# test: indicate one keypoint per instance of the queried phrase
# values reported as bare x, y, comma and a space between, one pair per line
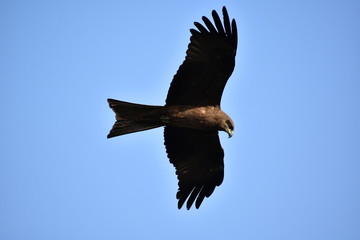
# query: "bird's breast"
202, 118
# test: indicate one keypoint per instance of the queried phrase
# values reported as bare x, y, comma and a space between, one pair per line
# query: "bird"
191, 116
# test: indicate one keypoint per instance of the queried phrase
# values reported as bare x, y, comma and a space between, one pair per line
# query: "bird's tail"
131, 117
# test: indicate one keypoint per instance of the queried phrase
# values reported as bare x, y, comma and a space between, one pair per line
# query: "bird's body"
192, 115
206, 118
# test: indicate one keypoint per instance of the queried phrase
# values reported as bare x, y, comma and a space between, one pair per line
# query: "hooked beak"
229, 132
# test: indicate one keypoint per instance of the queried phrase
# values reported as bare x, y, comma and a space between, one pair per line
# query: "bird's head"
228, 126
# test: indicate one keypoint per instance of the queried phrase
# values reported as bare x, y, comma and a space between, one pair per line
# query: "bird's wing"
198, 158
209, 62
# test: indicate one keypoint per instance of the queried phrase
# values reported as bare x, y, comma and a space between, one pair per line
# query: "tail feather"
133, 117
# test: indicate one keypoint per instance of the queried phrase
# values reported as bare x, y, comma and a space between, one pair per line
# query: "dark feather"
205, 192
201, 28
209, 62
209, 25
132, 117
218, 23
193, 196
198, 158
226, 21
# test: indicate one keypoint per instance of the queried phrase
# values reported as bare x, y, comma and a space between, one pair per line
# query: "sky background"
292, 168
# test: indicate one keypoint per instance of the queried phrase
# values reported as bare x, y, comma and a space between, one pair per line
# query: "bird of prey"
192, 115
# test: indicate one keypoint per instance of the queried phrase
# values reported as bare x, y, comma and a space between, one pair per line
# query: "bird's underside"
139, 117
192, 115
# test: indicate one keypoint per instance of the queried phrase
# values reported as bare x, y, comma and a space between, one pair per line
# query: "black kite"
192, 116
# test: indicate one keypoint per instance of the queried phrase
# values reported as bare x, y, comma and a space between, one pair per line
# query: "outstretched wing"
198, 158
209, 62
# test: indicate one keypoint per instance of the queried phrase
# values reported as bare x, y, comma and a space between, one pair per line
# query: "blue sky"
292, 168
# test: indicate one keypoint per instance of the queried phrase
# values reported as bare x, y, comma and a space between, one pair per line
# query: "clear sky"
292, 168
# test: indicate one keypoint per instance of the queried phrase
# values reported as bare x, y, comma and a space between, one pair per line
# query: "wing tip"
224, 9
196, 194
226, 27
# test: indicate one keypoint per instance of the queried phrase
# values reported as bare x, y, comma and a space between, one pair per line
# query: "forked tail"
131, 117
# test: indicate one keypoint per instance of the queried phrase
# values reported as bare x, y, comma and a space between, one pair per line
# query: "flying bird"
192, 115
